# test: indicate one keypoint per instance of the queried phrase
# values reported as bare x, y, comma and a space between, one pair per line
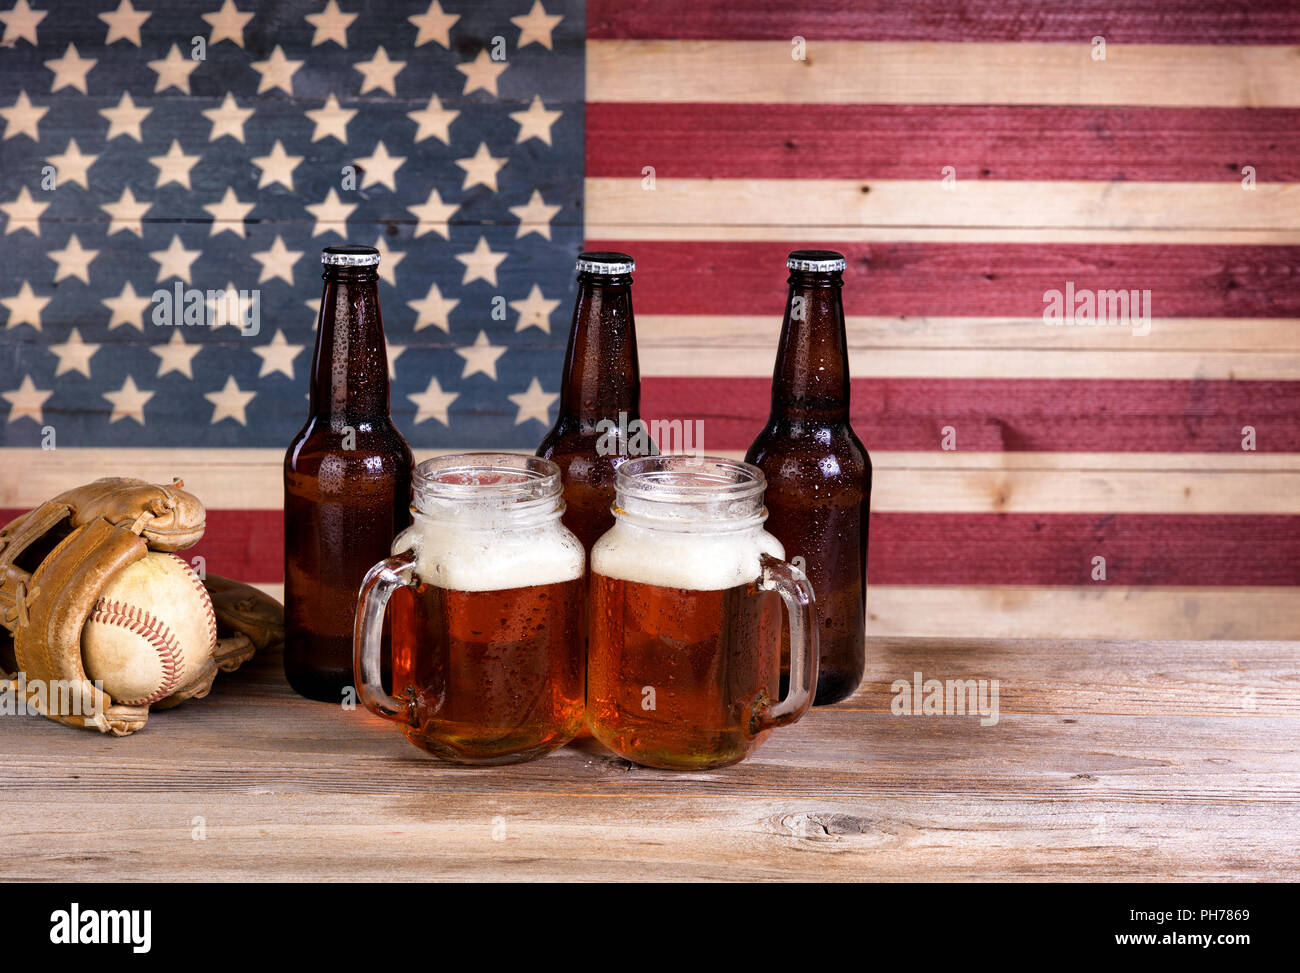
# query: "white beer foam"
473, 559
672, 559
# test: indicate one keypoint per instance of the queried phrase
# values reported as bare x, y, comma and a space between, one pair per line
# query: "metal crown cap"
816, 261
605, 262
349, 255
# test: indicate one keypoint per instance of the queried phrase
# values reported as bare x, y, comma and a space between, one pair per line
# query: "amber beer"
818, 472
347, 478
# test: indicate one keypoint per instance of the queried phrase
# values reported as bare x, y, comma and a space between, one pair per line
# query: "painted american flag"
967, 157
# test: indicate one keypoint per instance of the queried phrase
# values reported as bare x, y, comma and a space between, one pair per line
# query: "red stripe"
1042, 415
726, 141
1166, 22
969, 279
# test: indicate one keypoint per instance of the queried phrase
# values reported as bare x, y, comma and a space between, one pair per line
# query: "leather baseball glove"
57, 559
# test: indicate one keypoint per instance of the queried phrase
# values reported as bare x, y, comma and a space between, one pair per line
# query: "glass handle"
367, 636
793, 587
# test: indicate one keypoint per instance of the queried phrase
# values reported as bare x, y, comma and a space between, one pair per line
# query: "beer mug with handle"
487, 637
684, 663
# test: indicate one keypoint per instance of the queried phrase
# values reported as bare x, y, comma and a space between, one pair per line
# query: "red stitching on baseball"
203, 596
142, 623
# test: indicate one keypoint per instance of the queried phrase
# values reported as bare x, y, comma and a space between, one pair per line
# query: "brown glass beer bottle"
818, 472
347, 478
599, 421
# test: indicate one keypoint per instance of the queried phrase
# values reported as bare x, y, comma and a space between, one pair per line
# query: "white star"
277, 356
434, 25
380, 72
229, 214
125, 119
230, 402
127, 308
22, 117
432, 403
481, 263
536, 27
535, 217
533, 403
331, 25
25, 307
74, 355
482, 73
481, 168
72, 165
175, 261
24, 213
331, 215
173, 71
176, 355
223, 306
433, 309
380, 168
27, 400
277, 167
73, 261
70, 70
394, 353
536, 122
433, 214
228, 119
126, 213
227, 24
481, 356
388, 261
277, 262
433, 121
534, 310
175, 166
331, 121
128, 402
277, 71
20, 24
124, 23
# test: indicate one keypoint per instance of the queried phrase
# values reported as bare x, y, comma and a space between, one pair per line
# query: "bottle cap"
349, 255
816, 261
605, 262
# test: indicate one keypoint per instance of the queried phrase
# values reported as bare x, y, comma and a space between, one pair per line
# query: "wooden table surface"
1110, 760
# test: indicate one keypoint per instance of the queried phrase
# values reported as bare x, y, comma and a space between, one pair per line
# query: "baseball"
151, 631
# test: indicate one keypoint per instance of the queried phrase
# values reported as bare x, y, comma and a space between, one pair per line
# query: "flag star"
176, 355
534, 310
73, 261
277, 167
22, 117
481, 356
536, 27
535, 217
72, 165
433, 214
228, 119
124, 23
174, 167
173, 71
380, 168
126, 213
27, 400
227, 24
229, 214
331, 121
25, 307
74, 355
127, 308
536, 122
482, 72
24, 213
481, 168
277, 71
432, 309
432, 403
222, 307
434, 25
277, 356
20, 24
175, 261
128, 402
277, 262
380, 72
331, 25
230, 402
388, 261
394, 353
433, 121
331, 215
533, 403
481, 263
70, 70
125, 119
